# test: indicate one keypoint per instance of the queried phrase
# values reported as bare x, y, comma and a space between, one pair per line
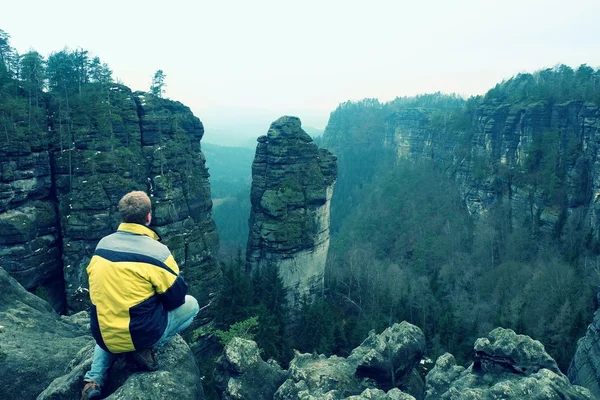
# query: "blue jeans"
178, 319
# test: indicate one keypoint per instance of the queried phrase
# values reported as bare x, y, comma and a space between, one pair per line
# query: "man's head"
135, 207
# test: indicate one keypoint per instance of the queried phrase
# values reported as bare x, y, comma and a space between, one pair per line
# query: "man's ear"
148, 218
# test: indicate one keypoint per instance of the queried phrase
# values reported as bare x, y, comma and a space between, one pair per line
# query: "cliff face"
30, 247
538, 159
514, 153
292, 185
585, 366
59, 192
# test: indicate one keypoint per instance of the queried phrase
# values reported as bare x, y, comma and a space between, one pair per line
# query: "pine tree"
158, 83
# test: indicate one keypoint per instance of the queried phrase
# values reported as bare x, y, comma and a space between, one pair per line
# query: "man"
139, 300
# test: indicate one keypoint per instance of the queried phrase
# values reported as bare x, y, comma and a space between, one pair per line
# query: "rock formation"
467, 143
30, 247
35, 343
242, 374
506, 366
59, 192
178, 377
585, 366
37, 347
292, 185
381, 363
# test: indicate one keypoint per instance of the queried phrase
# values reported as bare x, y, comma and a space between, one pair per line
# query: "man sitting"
139, 300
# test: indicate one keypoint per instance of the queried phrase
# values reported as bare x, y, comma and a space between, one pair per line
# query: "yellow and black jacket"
134, 281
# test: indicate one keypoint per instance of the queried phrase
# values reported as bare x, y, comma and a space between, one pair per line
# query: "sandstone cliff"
585, 366
517, 153
59, 191
292, 185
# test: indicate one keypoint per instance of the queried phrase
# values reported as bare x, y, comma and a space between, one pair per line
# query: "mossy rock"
16, 227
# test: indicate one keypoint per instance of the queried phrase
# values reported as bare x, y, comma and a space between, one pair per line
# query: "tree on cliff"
33, 75
158, 83
8, 57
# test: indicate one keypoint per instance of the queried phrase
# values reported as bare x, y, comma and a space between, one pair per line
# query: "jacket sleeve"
169, 285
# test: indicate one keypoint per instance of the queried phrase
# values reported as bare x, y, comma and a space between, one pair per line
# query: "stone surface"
390, 357
376, 394
506, 366
29, 230
35, 343
585, 366
178, 377
242, 374
45, 356
292, 185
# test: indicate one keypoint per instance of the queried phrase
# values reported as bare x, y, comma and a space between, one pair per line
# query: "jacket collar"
138, 230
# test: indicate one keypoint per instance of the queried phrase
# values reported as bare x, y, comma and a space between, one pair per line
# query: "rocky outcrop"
292, 185
242, 374
585, 366
383, 362
59, 192
45, 356
35, 343
178, 377
507, 366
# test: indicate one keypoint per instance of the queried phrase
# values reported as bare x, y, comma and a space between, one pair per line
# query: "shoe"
146, 360
91, 391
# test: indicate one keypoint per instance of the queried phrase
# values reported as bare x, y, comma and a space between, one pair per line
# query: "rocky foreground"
44, 356
505, 366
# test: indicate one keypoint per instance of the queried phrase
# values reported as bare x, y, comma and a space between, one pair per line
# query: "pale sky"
305, 57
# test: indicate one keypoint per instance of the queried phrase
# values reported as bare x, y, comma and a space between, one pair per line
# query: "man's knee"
192, 305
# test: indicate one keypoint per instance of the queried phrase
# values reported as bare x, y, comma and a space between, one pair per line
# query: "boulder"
316, 376
506, 366
178, 377
35, 343
376, 394
242, 374
389, 358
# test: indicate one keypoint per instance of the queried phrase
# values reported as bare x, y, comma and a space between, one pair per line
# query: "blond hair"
134, 207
